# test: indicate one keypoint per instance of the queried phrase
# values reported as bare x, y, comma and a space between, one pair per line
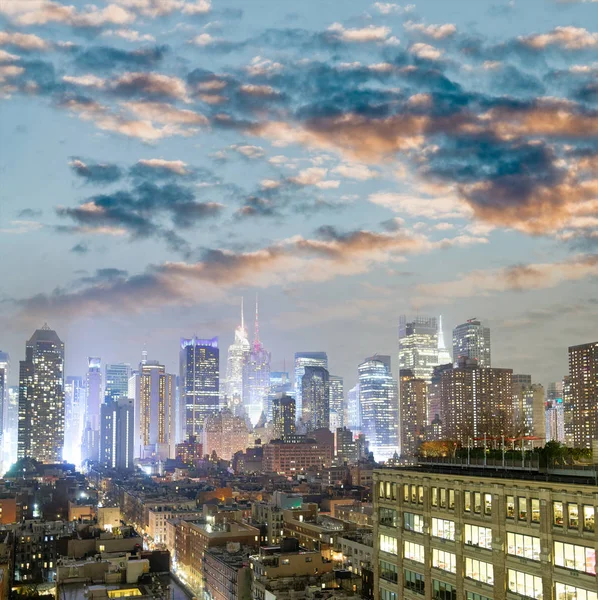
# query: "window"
522, 509
487, 504
447, 561
442, 498
510, 507
414, 582
557, 514
406, 492
102, 548
388, 572
573, 514
588, 518
467, 501
389, 544
420, 494
525, 584
412, 522
479, 570
444, 529
388, 517
526, 546
413, 551
381, 490
388, 490
578, 558
451, 499
434, 496
535, 502
478, 536
286, 561
387, 594
477, 503
563, 591
475, 596
394, 491
413, 494
443, 591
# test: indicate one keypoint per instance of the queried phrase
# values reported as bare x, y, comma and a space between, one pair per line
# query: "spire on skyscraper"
242, 315
444, 356
257, 322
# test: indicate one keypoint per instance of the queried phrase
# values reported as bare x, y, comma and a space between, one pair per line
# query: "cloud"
388, 8
372, 33
447, 207
569, 38
167, 114
131, 35
80, 248
24, 41
437, 32
160, 166
29, 213
518, 278
248, 151
94, 172
103, 58
8, 57
425, 51
356, 171
20, 227
88, 80
150, 85
160, 8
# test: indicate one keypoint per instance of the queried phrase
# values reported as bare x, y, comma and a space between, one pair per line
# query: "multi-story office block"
467, 534
412, 407
529, 408
117, 381
353, 409
302, 360
284, 417
418, 345
4, 369
224, 434
199, 383
583, 377
472, 340
315, 391
568, 411
337, 402
238, 356
41, 398
555, 414
117, 434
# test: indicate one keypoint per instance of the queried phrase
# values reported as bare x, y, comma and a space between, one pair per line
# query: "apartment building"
452, 533
227, 575
159, 516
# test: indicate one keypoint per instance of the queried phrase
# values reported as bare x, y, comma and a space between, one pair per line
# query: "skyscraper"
4, 432
199, 383
353, 410
412, 407
472, 340
379, 406
94, 395
315, 391
117, 434
583, 374
74, 409
238, 356
302, 360
41, 398
256, 376
568, 412
418, 346
224, 434
157, 427
283, 416
11, 426
337, 403
529, 408
555, 417
117, 381
280, 383
444, 356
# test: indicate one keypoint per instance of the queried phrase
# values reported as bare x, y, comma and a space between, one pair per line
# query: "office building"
337, 402
412, 407
227, 574
297, 457
302, 360
11, 426
555, 414
4, 370
379, 406
476, 402
95, 393
583, 376
444, 355
75, 394
199, 382
472, 534
224, 434
117, 381
117, 434
434, 411
418, 346
41, 398
284, 417
529, 408
280, 383
156, 395
472, 340
353, 409
315, 391
568, 411
238, 356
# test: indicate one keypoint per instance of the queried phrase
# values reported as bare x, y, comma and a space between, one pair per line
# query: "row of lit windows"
413, 522
526, 546
521, 507
524, 584
578, 558
443, 528
447, 561
572, 512
476, 506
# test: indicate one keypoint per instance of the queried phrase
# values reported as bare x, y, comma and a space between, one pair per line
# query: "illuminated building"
315, 391
93, 399
283, 416
444, 356
11, 426
4, 432
256, 376
337, 402
190, 451
199, 382
302, 360
224, 434
555, 417
476, 402
418, 346
156, 411
280, 383
413, 395
41, 398
472, 340
568, 411
529, 409
583, 376
238, 356
290, 458
379, 406
353, 409
75, 391
117, 434
117, 381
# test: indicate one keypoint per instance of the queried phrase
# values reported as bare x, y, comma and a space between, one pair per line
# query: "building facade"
418, 345
337, 402
238, 355
472, 340
117, 434
315, 392
224, 434
41, 398
583, 376
302, 360
117, 381
284, 417
412, 406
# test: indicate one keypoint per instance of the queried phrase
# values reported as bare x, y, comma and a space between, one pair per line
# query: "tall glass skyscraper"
302, 360
41, 398
418, 346
238, 356
116, 434
316, 398
74, 408
472, 340
199, 383
337, 403
4, 431
379, 406
117, 381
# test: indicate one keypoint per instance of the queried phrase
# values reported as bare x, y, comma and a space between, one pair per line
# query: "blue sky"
348, 161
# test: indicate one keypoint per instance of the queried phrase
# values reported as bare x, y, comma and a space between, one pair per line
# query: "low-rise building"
226, 572
291, 458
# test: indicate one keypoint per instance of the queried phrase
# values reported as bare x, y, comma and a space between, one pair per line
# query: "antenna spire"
242, 315
257, 323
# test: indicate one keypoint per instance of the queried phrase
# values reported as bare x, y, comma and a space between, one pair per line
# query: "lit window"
557, 514
406, 492
434, 496
487, 504
442, 528
535, 510
413, 522
388, 544
413, 551
447, 561
525, 584
522, 509
467, 501
573, 513
563, 591
510, 507
479, 571
451, 499
477, 502
588, 518
577, 558
478, 536
526, 546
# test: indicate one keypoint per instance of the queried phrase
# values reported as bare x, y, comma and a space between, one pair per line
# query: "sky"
348, 162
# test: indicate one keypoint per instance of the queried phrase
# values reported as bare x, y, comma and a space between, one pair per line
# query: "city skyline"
349, 162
